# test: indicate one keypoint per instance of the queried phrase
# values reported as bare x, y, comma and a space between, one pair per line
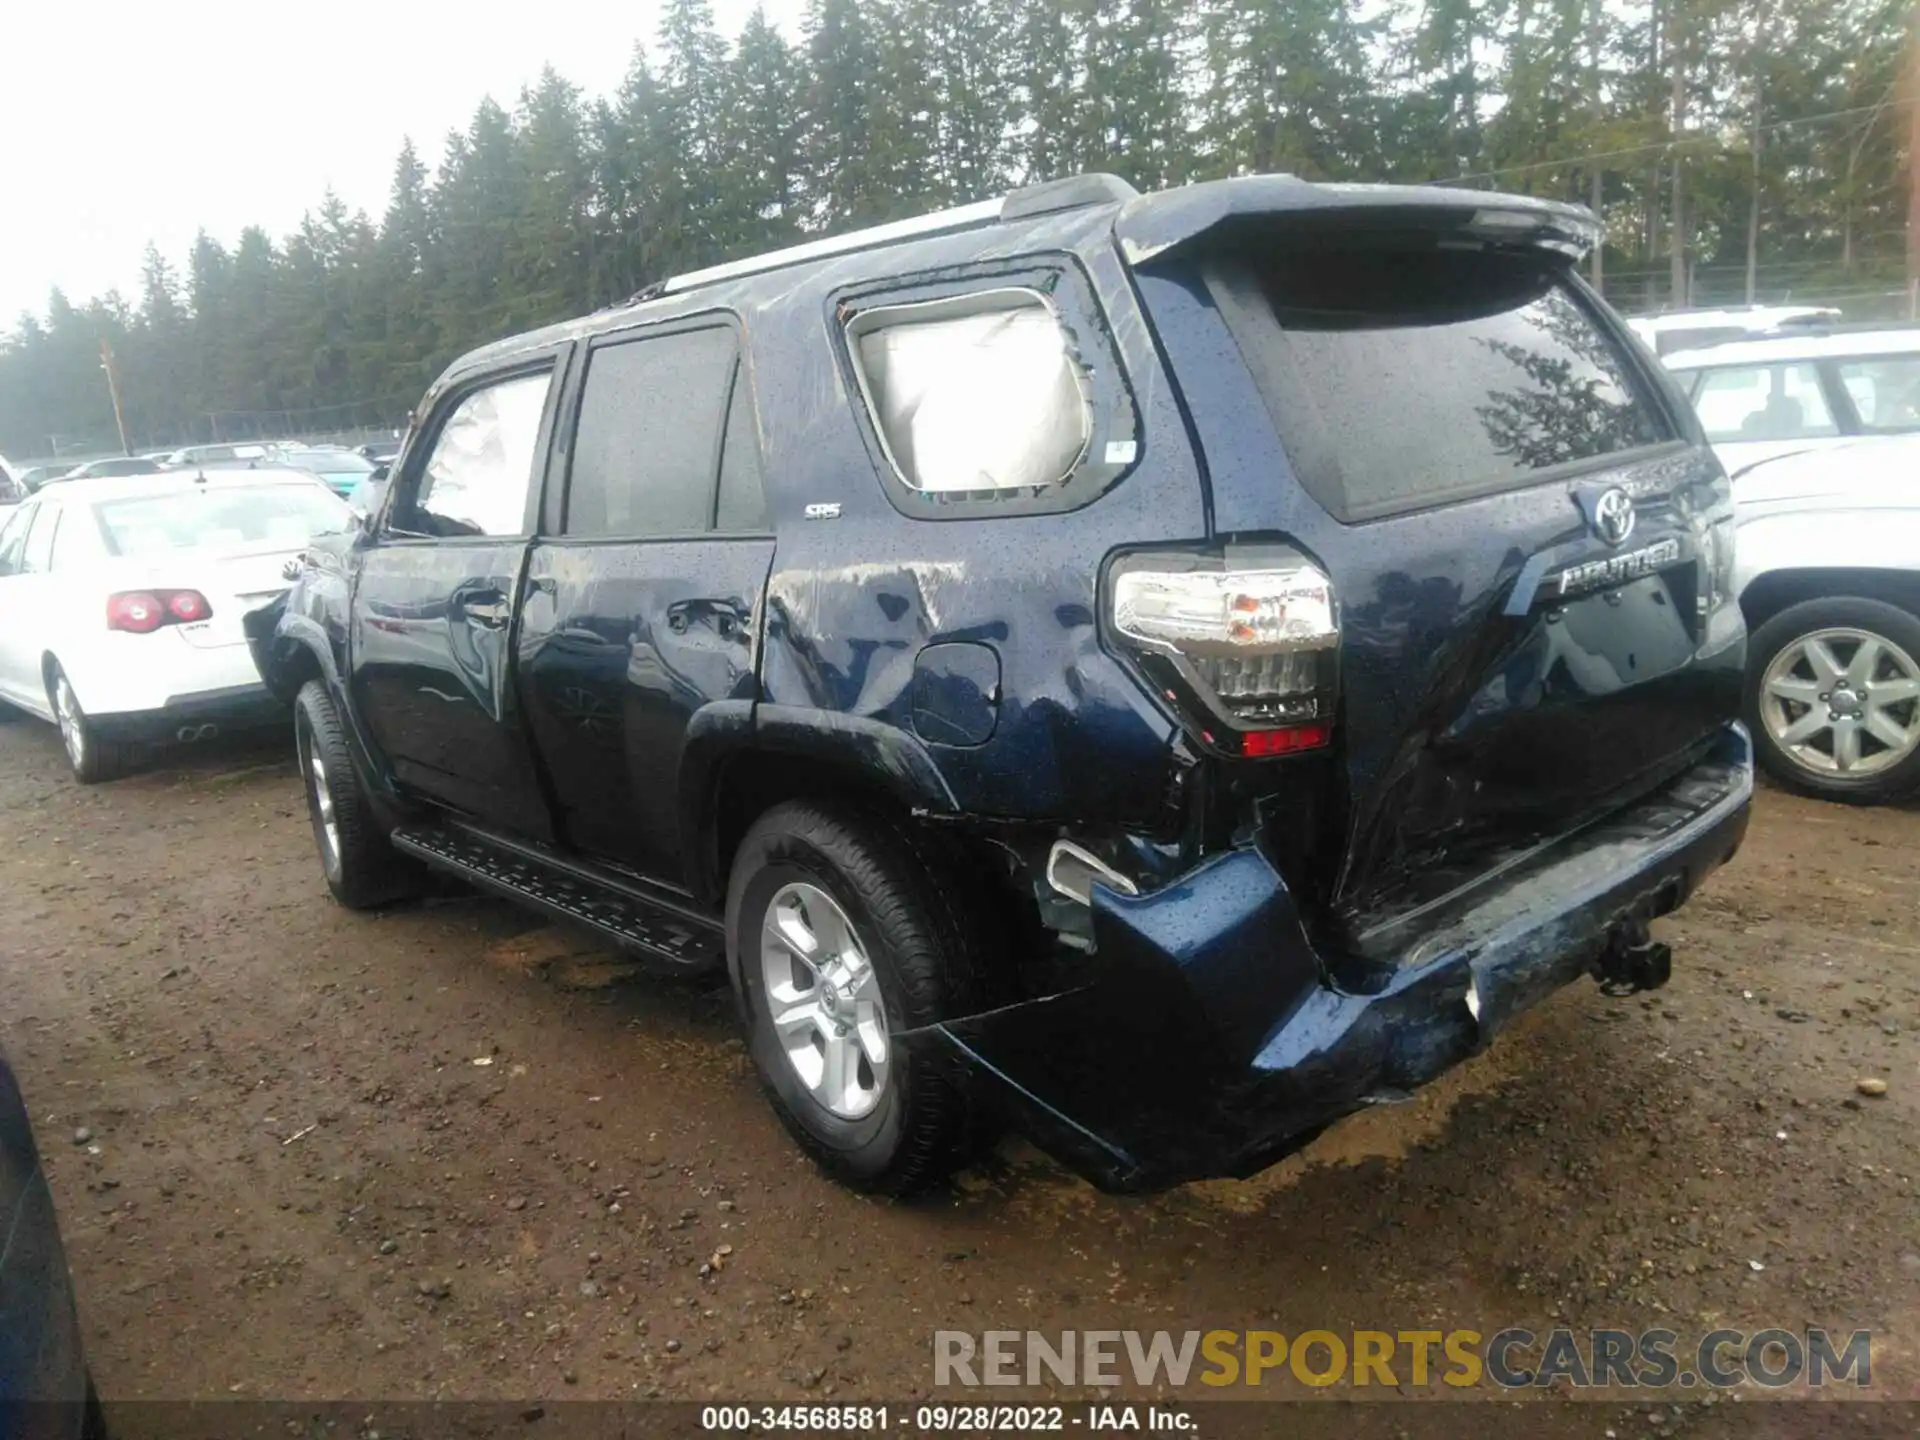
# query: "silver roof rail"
1066, 194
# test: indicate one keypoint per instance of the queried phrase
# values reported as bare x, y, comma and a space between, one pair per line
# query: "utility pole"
1677, 245
1913, 159
1753, 201
1600, 245
1677, 250
113, 388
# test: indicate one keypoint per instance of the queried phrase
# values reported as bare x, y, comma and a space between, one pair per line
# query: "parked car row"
340, 468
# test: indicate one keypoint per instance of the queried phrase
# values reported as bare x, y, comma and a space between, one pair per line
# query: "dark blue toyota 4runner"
1165, 671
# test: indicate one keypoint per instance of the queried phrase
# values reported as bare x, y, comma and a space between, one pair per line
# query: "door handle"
491, 614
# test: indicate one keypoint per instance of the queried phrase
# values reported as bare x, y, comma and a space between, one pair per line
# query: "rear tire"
1833, 679
362, 868
92, 758
861, 891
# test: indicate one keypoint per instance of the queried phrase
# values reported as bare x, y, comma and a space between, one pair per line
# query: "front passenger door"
433, 607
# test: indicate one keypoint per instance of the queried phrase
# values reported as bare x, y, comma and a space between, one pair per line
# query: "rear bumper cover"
1208, 1042
234, 707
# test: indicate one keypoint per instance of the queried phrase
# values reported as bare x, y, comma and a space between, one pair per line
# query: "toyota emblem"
1613, 516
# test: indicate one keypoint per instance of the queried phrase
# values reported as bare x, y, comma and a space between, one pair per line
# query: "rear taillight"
144, 611
1243, 643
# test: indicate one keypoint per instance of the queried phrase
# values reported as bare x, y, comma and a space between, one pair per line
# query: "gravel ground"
448, 1151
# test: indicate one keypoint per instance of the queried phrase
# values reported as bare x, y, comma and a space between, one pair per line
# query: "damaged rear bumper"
1207, 1040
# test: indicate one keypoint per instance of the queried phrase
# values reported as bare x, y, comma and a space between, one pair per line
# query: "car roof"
1811, 346
94, 489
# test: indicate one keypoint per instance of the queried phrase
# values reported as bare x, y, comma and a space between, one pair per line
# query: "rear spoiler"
1154, 226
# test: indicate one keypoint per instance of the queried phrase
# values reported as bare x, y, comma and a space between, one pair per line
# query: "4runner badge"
1613, 516
1617, 569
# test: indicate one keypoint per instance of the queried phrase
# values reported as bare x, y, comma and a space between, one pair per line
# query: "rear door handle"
491, 613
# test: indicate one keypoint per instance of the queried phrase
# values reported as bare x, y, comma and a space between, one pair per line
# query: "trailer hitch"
1633, 961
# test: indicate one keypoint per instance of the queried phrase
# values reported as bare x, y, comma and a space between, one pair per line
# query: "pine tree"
760, 141
842, 156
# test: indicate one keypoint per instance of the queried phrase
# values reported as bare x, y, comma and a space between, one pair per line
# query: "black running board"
656, 929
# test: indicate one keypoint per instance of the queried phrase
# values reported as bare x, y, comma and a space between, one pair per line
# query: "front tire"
362, 868
842, 932
92, 758
1833, 699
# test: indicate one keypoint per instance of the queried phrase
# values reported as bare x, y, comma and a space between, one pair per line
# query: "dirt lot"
447, 1151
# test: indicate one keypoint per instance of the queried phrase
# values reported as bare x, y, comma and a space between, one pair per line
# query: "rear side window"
975, 393
1763, 402
1886, 392
647, 452
1403, 378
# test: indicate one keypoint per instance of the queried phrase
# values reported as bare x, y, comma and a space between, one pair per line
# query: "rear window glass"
1405, 378
205, 518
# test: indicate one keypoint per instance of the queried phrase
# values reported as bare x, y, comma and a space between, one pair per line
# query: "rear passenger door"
642, 594
432, 609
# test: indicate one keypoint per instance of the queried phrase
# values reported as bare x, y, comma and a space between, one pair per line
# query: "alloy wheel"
1842, 703
322, 801
824, 1000
73, 734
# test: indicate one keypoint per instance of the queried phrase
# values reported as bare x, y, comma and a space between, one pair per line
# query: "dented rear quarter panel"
852, 601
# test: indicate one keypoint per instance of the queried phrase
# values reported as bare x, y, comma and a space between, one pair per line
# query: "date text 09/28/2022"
946, 1419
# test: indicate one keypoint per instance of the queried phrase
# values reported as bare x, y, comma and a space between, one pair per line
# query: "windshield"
1408, 377
202, 518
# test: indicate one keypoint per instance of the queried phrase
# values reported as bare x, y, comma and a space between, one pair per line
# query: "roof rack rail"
1069, 193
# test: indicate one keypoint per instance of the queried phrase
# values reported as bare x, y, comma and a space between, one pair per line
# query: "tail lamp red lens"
1259, 743
141, 612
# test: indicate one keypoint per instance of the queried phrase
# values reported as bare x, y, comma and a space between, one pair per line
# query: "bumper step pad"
627, 919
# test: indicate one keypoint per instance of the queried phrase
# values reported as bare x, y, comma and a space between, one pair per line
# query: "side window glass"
1764, 402
978, 392
743, 501
1886, 392
39, 552
13, 538
647, 450
477, 478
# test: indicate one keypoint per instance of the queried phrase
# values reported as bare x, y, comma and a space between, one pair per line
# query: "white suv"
1762, 398
1827, 568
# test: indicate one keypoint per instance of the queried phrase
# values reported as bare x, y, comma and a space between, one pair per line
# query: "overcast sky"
124, 122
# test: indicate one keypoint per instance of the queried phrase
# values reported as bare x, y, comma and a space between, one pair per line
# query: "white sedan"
121, 602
